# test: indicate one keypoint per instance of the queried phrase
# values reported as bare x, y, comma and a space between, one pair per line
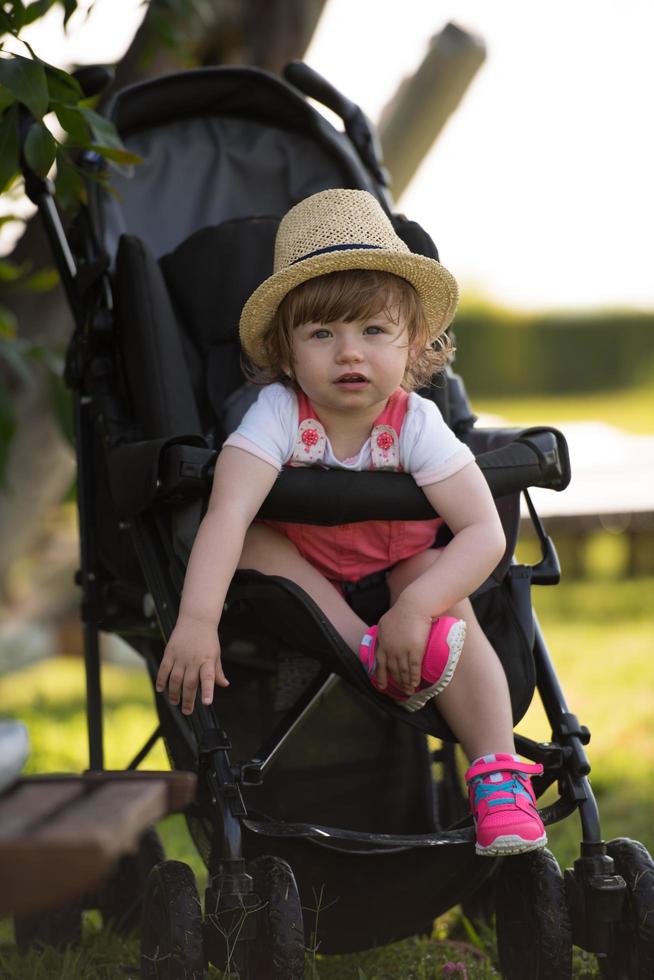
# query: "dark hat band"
334, 248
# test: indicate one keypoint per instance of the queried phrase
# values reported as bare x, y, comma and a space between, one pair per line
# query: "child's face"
355, 365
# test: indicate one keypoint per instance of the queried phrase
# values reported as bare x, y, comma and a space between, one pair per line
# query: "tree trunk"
266, 33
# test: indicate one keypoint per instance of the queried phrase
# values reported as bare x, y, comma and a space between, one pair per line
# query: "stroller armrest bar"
341, 497
182, 467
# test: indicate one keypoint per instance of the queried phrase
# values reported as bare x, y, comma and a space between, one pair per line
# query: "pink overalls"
348, 552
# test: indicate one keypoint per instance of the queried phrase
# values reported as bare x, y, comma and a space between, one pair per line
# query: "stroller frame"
595, 891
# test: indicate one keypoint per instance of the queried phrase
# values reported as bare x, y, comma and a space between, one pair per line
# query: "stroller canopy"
216, 144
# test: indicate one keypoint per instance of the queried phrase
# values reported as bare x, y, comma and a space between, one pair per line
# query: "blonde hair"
348, 295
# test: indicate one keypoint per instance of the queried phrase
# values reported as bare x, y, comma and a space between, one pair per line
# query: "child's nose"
348, 350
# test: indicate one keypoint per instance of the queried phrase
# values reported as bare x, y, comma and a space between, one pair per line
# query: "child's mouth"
352, 380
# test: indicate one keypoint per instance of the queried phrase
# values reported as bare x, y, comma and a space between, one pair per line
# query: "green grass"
631, 409
49, 698
600, 635
102, 956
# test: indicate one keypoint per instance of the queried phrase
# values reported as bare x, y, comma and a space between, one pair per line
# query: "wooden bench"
61, 835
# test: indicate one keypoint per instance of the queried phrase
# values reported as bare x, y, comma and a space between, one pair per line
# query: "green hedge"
503, 353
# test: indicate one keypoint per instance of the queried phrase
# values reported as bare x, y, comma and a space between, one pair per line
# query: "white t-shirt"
429, 450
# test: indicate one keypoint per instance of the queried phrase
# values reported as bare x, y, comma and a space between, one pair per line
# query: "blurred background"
520, 139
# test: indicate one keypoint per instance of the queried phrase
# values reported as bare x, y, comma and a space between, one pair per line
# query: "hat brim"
435, 286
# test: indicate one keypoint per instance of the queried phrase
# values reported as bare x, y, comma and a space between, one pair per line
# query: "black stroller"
318, 799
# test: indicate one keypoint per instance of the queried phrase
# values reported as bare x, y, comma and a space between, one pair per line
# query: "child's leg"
271, 553
477, 707
476, 703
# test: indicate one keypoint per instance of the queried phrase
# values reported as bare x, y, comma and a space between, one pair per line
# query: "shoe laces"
500, 791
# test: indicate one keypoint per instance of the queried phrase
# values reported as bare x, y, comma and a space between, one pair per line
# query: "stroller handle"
357, 127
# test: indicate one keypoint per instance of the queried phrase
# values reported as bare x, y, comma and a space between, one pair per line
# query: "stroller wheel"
120, 899
171, 936
58, 927
633, 953
279, 946
534, 933
479, 907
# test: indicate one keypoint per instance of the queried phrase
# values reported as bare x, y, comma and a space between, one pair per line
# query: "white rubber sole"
455, 640
511, 844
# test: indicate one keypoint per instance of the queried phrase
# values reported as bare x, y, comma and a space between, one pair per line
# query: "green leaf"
69, 185
18, 15
73, 121
472, 933
104, 132
6, 99
118, 156
25, 79
37, 9
40, 149
9, 147
106, 140
62, 86
7, 25
70, 6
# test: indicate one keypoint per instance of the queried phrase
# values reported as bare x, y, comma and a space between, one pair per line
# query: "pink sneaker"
442, 653
504, 806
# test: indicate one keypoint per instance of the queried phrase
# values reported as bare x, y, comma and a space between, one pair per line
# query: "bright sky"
538, 192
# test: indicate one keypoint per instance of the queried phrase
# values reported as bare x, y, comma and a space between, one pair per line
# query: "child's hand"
402, 637
192, 654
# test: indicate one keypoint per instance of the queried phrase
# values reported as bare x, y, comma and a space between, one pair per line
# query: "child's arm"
465, 503
240, 485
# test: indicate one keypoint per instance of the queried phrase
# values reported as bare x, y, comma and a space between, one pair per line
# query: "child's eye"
321, 333
373, 330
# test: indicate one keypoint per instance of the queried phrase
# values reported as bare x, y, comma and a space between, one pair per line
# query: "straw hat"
335, 230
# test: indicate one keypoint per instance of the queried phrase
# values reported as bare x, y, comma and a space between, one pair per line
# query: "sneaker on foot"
504, 805
442, 653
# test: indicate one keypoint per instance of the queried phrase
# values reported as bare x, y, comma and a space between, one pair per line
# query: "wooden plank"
36, 878
181, 785
114, 815
60, 835
71, 853
28, 803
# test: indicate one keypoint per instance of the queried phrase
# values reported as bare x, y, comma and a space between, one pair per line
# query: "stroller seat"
178, 331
